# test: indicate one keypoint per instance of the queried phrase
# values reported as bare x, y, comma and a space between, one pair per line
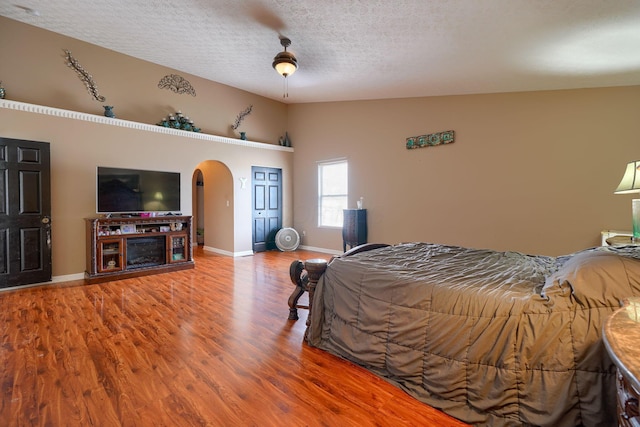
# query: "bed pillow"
595, 278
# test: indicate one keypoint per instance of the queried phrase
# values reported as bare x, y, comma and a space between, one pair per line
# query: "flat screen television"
136, 191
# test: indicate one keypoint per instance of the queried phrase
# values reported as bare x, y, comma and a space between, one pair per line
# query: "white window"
333, 189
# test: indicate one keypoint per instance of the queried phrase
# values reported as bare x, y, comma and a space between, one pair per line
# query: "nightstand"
621, 334
608, 234
621, 240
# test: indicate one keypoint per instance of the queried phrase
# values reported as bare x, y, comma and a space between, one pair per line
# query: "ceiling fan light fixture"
285, 63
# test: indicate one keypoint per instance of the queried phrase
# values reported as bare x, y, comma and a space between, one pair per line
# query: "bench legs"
305, 276
300, 278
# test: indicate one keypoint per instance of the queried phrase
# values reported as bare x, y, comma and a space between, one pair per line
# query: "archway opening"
212, 198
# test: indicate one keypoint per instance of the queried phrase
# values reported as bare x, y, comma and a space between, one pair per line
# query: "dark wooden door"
267, 207
25, 212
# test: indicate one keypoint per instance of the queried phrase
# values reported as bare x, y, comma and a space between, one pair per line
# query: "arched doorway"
198, 208
213, 206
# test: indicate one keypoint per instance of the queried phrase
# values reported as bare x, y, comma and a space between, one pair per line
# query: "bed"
491, 338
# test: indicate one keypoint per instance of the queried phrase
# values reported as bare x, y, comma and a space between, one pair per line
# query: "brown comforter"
491, 338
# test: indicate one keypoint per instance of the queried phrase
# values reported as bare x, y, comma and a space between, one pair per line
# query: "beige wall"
532, 172
33, 71
78, 147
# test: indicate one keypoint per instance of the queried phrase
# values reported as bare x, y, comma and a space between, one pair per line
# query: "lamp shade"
630, 182
285, 63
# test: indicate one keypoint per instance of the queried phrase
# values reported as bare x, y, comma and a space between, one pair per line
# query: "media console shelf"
119, 248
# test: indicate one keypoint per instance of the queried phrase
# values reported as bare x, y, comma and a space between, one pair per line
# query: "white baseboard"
67, 278
323, 250
226, 253
54, 279
248, 253
245, 253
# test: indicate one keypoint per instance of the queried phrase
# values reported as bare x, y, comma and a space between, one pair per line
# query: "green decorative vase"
108, 111
2, 92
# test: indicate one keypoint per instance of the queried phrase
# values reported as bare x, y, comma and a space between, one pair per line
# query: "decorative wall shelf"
75, 115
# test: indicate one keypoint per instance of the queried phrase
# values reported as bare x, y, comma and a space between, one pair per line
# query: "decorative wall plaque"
430, 139
176, 84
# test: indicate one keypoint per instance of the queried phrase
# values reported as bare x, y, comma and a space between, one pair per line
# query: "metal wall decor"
86, 78
177, 84
241, 117
430, 139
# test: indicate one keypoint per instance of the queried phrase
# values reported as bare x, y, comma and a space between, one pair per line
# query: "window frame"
322, 196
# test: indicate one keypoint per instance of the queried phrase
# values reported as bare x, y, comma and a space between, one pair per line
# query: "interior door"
267, 207
25, 212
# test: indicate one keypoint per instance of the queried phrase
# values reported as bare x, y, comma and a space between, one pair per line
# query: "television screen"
135, 191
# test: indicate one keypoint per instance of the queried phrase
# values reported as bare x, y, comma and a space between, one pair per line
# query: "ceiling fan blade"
265, 16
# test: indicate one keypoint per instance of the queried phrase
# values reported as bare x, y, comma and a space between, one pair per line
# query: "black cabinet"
354, 228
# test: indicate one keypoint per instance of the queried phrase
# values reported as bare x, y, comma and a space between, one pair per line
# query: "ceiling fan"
285, 62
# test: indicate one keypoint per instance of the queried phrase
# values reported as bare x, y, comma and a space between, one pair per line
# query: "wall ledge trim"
75, 115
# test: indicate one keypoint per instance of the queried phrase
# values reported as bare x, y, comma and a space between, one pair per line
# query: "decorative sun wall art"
86, 78
176, 84
430, 139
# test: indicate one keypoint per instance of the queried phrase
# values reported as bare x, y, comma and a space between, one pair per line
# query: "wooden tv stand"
123, 247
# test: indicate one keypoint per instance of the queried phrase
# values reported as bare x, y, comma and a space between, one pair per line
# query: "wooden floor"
204, 347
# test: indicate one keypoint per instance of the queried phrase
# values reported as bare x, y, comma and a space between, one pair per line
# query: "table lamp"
631, 184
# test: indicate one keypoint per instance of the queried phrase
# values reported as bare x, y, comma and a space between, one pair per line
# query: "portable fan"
287, 239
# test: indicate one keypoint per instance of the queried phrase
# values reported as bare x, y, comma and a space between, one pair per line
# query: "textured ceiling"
364, 49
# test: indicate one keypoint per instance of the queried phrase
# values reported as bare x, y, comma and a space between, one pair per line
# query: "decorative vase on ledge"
243, 136
2, 91
108, 111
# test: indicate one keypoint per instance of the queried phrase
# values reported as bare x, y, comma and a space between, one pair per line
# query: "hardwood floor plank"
61, 359
211, 346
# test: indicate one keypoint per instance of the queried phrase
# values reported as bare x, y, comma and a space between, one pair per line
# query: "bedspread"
491, 338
